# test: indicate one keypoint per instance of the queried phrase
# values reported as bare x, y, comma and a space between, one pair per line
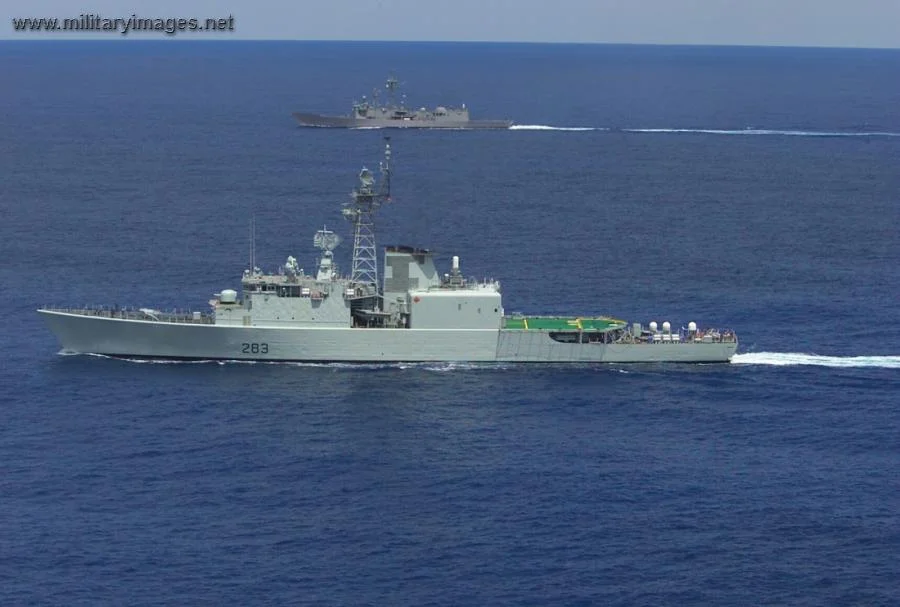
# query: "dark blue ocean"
745, 188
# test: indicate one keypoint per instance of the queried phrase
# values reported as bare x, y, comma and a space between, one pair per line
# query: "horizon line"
203, 39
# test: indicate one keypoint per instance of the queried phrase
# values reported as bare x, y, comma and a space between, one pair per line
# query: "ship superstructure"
409, 312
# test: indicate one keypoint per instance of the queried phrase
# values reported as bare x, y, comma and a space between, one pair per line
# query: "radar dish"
366, 178
326, 240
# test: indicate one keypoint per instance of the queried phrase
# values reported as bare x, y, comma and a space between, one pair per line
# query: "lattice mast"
365, 201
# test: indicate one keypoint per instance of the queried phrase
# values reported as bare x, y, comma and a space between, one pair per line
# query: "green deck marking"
562, 323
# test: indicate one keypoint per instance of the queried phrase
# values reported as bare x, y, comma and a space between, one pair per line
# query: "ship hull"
90, 334
346, 122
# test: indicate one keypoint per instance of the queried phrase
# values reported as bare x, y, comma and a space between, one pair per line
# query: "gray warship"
411, 313
369, 113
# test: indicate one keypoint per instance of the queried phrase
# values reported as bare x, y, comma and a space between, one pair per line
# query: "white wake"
784, 133
676, 131
545, 127
784, 359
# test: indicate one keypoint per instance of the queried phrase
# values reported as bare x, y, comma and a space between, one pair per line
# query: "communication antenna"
391, 86
366, 199
253, 243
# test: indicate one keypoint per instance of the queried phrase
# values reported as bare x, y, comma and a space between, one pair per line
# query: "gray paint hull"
346, 122
150, 339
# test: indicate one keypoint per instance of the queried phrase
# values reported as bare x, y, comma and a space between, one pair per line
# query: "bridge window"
289, 291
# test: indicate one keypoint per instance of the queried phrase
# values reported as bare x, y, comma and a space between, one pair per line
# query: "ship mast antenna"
391, 86
253, 243
365, 201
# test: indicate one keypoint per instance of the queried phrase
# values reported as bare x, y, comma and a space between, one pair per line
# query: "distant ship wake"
733, 132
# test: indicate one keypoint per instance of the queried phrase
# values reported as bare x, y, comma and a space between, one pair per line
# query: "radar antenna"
365, 201
326, 241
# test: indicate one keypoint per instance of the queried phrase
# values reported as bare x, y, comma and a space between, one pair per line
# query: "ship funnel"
455, 264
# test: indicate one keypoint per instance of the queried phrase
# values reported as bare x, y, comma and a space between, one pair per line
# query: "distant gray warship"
415, 314
368, 113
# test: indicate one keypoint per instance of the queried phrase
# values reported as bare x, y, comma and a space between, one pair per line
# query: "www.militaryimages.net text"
90, 23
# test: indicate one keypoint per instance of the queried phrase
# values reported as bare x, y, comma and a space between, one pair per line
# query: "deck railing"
562, 326
146, 314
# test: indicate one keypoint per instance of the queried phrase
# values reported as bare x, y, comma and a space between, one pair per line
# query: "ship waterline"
387, 122
120, 334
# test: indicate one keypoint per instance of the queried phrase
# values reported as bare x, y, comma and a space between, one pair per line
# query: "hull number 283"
254, 348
